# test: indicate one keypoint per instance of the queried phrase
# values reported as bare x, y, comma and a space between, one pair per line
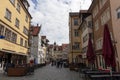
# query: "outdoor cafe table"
105, 77
87, 74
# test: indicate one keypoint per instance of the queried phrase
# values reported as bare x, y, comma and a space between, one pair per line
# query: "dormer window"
118, 13
26, 4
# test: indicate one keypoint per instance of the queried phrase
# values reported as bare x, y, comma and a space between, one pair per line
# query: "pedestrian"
52, 62
61, 63
31, 67
58, 63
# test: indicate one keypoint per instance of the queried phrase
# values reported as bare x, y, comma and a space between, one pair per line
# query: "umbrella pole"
111, 72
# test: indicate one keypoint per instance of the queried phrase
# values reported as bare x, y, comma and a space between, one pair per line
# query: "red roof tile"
35, 30
64, 46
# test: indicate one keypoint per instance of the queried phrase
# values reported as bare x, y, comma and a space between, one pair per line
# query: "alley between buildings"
47, 73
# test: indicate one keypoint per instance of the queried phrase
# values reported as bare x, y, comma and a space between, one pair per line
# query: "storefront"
12, 57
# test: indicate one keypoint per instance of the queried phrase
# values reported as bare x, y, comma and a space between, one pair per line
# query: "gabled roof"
43, 37
35, 30
71, 14
64, 46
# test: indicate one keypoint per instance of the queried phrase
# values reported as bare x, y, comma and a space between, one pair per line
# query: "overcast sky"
53, 16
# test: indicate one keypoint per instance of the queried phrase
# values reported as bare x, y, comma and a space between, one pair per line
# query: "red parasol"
108, 50
90, 52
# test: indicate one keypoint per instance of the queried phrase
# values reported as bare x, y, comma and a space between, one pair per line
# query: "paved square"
47, 73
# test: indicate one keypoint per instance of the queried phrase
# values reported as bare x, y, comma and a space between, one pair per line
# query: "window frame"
21, 41
18, 7
8, 34
26, 18
8, 14
76, 33
12, 2
26, 43
17, 22
118, 13
25, 31
2, 28
76, 22
14, 37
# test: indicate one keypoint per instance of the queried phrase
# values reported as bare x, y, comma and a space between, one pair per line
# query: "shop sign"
2, 37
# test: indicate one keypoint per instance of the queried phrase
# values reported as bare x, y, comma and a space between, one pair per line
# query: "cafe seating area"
18, 71
96, 74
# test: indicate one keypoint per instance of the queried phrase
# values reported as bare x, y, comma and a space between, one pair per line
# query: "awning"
13, 52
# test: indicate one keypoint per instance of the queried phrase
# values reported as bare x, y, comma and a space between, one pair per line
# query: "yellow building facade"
74, 37
14, 27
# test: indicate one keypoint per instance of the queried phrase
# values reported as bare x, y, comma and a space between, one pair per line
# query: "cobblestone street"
47, 73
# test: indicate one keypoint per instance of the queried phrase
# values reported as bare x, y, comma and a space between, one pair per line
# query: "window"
8, 34
99, 44
17, 23
8, 14
85, 38
83, 27
21, 41
18, 7
14, 37
118, 13
90, 24
76, 21
91, 35
26, 19
76, 46
25, 43
102, 63
76, 33
25, 31
1, 29
85, 49
12, 1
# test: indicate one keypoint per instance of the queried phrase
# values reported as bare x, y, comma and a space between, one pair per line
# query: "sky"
53, 16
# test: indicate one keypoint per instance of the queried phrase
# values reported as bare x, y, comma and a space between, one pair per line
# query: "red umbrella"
90, 52
108, 50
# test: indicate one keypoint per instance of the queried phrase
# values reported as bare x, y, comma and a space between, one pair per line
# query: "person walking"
61, 63
58, 63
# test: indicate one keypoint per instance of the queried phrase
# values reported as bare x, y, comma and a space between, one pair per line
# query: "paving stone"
47, 73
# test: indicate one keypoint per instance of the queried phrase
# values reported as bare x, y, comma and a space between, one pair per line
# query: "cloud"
53, 15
